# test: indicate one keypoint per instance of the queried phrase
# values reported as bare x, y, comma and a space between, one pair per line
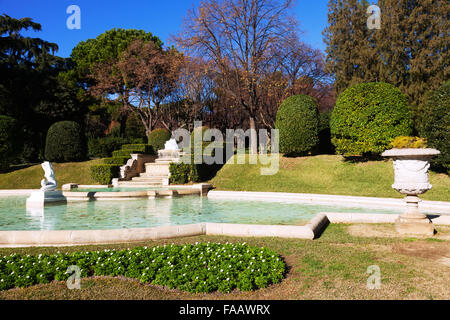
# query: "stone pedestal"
412, 221
38, 199
411, 179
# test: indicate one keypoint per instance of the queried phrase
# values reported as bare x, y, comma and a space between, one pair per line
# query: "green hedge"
104, 147
117, 161
181, 173
367, 117
65, 142
10, 145
435, 125
157, 138
298, 121
139, 148
122, 153
200, 267
104, 173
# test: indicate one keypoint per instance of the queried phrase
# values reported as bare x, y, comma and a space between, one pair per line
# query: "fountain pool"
144, 213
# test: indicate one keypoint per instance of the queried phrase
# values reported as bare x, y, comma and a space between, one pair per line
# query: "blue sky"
162, 18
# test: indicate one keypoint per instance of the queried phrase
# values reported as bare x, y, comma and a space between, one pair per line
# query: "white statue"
171, 145
49, 183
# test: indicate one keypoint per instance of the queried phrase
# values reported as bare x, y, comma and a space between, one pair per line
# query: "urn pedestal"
411, 179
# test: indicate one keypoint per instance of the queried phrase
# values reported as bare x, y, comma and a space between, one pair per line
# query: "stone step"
145, 179
138, 184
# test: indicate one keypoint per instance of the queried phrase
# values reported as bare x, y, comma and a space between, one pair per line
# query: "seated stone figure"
49, 183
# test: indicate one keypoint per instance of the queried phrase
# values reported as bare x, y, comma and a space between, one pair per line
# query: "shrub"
122, 153
103, 147
10, 145
158, 137
200, 267
408, 142
181, 173
139, 148
297, 120
435, 125
103, 173
367, 117
65, 142
117, 161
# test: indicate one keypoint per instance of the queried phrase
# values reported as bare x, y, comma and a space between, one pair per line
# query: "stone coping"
72, 195
408, 152
438, 207
311, 230
86, 237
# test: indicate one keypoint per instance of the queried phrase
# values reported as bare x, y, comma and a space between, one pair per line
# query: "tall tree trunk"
253, 136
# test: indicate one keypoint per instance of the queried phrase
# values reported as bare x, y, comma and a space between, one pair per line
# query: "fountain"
411, 179
170, 153
48, 192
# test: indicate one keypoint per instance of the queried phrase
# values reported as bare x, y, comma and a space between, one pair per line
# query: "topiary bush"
366, 118
199, 267
65, 142
435, 125
104, 173
298, 121
157, 138
10, 145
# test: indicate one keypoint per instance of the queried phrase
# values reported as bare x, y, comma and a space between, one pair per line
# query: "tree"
410, 51
142, 79
32, 89
241, 38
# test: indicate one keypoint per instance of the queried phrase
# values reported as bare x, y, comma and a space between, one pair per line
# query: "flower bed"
201, 267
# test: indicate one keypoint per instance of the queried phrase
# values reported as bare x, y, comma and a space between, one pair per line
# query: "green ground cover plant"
199, 267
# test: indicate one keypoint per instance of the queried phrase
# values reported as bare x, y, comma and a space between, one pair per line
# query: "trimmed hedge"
435, 125
298, 121
122, 153
10, 145
199, 267
139, 148
367, 117
104, 173
104, 147
117, 161
157, 138
65, 142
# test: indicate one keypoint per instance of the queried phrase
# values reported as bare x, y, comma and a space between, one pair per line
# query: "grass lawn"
331, 267
30, 178
324, 174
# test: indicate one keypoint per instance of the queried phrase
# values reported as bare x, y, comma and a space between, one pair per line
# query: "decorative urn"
411, 179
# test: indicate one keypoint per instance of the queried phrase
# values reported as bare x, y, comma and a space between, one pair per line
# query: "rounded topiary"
435, 125
366, 118
65, 142
10, 145
298, 121
158, 137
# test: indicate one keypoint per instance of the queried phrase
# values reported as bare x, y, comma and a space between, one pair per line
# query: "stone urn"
411, 179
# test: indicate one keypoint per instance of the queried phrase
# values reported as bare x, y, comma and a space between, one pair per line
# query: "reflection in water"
145, 213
